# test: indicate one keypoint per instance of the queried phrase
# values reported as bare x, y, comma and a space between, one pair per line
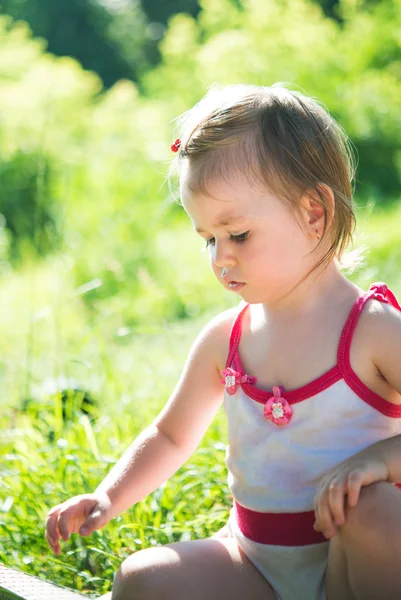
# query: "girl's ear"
315, 211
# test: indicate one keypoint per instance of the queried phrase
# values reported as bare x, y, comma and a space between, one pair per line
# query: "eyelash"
238, 239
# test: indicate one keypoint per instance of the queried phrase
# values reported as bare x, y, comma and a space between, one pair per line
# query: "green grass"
37, 473
46, 333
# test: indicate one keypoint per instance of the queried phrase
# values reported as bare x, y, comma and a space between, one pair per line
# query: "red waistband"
278, 529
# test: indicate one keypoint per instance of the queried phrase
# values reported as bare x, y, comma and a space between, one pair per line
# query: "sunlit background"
103, 285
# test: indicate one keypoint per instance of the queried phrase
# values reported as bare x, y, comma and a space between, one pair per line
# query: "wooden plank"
17, 585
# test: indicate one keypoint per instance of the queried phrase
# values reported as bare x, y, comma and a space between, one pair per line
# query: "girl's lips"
236, 285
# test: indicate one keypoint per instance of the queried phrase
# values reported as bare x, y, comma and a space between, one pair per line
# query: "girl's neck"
321, 289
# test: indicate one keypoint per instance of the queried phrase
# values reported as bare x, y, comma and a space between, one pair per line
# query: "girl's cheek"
255, 253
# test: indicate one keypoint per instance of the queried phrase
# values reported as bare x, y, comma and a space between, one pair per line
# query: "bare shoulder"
379, 319
219, 329
199, 393
376, 349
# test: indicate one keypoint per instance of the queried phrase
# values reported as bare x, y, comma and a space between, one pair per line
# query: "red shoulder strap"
378, 291
384, 294
235, 334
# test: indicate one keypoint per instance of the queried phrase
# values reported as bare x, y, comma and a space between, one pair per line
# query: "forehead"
225, 203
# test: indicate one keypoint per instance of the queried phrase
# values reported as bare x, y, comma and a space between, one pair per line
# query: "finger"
316, 524
336, 501
318, 521
354, 484
54, 546
316, 508
52, 531
326, 523
63, 524
53, 543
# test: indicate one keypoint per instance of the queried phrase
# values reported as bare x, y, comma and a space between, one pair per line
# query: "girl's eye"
240, 238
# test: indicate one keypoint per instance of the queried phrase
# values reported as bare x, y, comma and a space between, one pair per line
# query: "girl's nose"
221, 255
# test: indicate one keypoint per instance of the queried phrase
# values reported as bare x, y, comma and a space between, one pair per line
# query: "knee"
371, 514
133, 579
143, 575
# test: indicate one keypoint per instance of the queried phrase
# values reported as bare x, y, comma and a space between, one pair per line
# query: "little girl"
308, 366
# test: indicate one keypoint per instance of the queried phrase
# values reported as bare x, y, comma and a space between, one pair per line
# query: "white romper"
274, 471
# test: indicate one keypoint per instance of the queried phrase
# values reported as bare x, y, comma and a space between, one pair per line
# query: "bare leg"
223, 532
337, 577
364, 561
215, 569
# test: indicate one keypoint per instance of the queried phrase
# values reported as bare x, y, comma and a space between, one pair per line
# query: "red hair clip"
176, 146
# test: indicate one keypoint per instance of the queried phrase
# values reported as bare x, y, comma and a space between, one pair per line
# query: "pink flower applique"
232, 379
277, 410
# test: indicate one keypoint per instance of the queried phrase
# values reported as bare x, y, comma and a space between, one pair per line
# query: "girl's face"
254, 237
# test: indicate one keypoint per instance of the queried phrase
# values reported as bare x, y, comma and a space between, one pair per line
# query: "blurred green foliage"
115, 38
106, 37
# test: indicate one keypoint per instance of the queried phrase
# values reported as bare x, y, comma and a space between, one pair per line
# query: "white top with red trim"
280, 446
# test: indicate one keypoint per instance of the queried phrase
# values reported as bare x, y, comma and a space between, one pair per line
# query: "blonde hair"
278, 137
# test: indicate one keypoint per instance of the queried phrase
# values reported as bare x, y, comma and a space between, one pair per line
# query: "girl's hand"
81, 514
347, 478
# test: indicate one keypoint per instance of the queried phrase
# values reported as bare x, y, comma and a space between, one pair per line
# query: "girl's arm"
385, 333
161, 449
380, 461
